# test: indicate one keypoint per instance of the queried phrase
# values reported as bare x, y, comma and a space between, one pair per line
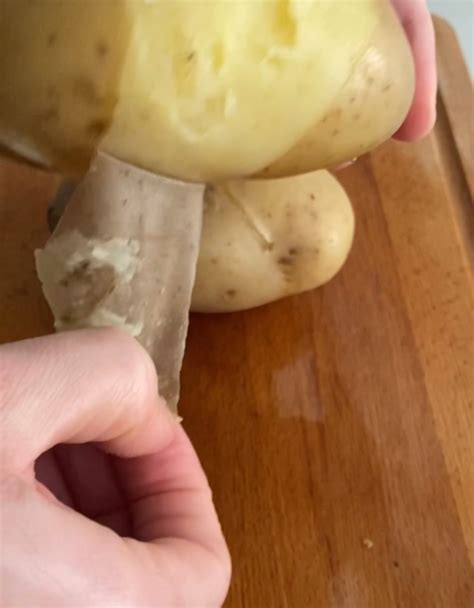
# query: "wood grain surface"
336, 427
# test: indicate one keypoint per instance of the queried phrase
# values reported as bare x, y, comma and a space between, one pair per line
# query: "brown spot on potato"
352, 99
231, 293
312, 197
293, 251
97, 127
52, 39
285, 261
335, 132
190, 56
49, 115
214, 261
101, 49
386, 88
85, 89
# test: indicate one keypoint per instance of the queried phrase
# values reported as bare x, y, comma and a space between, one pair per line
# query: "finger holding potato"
264, 240
367, 110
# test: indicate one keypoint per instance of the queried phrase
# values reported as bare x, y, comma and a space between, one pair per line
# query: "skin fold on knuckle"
139, 384
127, 378
11, 455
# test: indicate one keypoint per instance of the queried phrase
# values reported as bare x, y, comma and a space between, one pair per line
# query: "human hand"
416, 20
120, 516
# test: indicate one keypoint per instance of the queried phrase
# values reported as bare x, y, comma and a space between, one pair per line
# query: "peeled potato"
197, 90
264, 240
367, 111
175, 87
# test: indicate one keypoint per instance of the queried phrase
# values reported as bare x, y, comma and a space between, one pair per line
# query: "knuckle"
11, 456
135, 367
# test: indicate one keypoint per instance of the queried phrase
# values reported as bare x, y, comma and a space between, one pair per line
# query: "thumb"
77, 387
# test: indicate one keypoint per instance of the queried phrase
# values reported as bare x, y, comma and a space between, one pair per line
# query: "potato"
221, 89
60, 63
368, 109
200, 91
264, 240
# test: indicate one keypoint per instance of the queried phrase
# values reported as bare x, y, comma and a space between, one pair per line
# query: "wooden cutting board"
337, 427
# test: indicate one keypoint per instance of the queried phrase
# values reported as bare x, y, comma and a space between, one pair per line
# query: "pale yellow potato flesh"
368, 110
263, 240
196, 90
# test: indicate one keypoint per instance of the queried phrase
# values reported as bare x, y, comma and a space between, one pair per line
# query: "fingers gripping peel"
124, 255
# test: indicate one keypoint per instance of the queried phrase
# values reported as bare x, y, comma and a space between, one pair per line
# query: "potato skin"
60, 64
366, 112
264, 240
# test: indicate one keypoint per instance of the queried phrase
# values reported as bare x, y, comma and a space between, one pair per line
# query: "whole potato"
264, 240
368, 110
